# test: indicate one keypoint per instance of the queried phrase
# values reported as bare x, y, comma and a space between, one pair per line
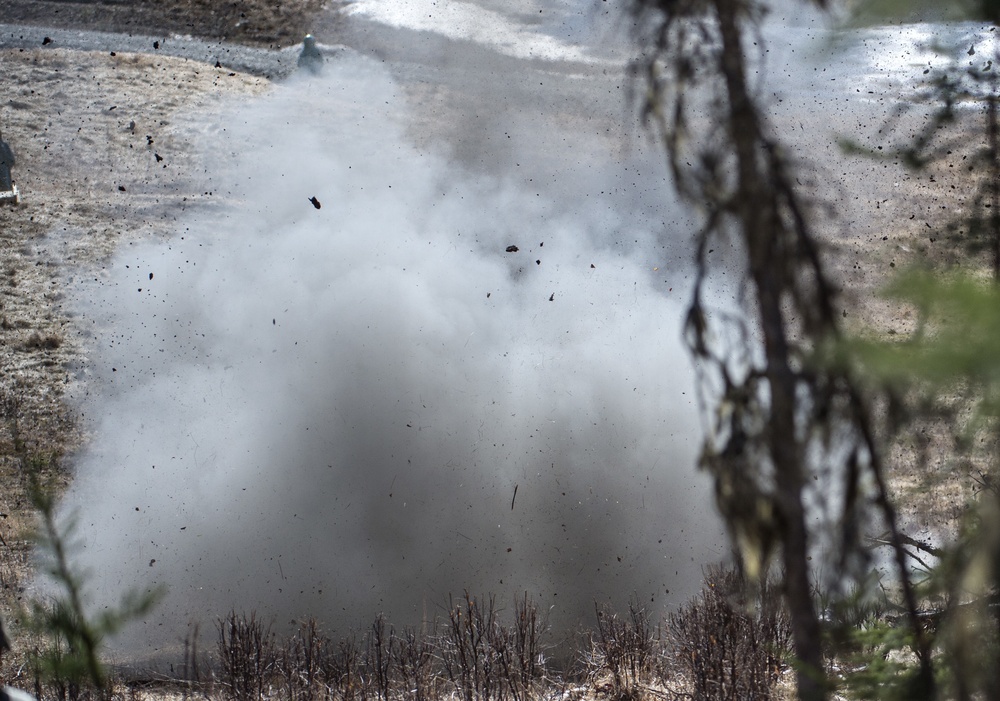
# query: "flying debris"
315, 202
512, 249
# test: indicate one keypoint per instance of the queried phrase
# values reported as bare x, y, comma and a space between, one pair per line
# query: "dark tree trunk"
762, 232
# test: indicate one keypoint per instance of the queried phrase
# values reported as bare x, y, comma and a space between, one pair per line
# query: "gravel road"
266, 62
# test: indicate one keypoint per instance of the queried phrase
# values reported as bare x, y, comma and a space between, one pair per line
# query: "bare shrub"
484, 659
621, 657
729, 648
379, 655
465, 649
414, 654
304, 662
342, 670
527, 667
247, 656
475, 657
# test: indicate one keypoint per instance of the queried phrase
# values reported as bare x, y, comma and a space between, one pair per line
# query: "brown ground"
100, 156
256, 22
909, 213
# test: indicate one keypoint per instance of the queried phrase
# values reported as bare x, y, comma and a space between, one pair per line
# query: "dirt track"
256, 22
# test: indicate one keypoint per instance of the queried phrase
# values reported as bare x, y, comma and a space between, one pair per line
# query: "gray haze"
327, 411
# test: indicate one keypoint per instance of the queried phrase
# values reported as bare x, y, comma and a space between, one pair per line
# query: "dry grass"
75, 146
911, 221
479, 652
258, 22
73, 151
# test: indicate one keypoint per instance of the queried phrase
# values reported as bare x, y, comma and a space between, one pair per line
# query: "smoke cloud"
433, 379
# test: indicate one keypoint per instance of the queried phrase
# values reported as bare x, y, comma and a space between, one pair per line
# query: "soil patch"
255, 22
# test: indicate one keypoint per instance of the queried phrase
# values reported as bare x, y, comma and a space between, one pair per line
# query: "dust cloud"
430, 379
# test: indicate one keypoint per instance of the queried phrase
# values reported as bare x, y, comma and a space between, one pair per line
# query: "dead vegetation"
256, 22
730, 648
716, 647
473, 655
622, 654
